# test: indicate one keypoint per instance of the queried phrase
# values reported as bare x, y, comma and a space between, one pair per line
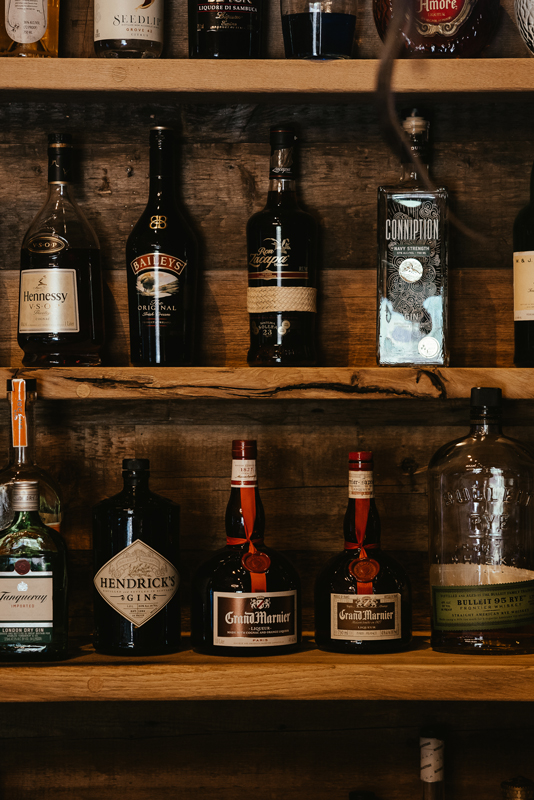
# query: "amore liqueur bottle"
481, 538
225, 29
524, 283
128, 28
441, 28
21, 396
161, 264
412, 310
135, 546
61, 317
283, 242
33, 583
245, 597
362, 596
432, 766
29, 28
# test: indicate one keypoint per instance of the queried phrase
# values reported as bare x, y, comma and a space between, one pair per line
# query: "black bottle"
161, 265
225, 30
245, 597
135, 546
524, 283
283, 242
362, 596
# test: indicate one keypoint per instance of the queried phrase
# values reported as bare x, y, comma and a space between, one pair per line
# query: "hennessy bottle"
246, 596
481, 537
283, 243
362, 596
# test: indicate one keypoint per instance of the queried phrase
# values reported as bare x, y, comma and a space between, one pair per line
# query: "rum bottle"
283, 242
29, 28
22, 395
481, 537
128, 28
61, 316
161, 265
33, 583
225, 30
362, 596
135, 557
412, 311
524, 283
246, 596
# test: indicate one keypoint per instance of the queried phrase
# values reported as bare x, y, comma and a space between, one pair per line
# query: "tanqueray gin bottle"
412, 312
481, 544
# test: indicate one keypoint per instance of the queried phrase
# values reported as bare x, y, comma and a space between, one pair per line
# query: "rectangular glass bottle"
412, 312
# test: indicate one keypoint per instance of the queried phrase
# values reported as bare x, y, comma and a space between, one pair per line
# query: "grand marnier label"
26, 608
48, 301
137, 582
241, 620
365, 616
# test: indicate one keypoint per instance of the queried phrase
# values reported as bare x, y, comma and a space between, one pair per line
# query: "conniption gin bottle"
481, 538
283, 243
61, 316
128, 28
412, 322
162, 272
362, 596
245, 597
33, 583
524, 283
136, 583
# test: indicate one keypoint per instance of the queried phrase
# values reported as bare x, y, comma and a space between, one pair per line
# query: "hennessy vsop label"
138, 582
48, 301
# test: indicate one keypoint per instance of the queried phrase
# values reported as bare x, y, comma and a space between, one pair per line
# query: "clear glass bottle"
362, 596
29, 28
21, 395
283, 242
432, 766
128, 28
518, 788
33, 583
136, 582
61, 314
523, 236
245, 599
480, 490
412, 309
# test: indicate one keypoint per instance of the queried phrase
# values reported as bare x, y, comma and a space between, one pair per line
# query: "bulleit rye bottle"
128, 28
481, 538
29, 28
61, 315
283, 242
412, 310
162, 269
136, 582
33, 583
245, 597
362, 596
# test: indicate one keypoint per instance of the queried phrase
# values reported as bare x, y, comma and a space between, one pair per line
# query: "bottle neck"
484, 421
136, 485
409, 173
161, 169
21, 445
361, 525
59, 164
27, 518
282, 179
245, 519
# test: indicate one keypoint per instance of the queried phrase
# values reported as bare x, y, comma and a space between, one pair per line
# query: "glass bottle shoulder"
336, 577
224, 571
413, 189
489, 450
61, 216
26, 541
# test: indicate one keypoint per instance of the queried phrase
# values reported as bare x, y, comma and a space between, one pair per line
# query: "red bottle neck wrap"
361, 515
258, 580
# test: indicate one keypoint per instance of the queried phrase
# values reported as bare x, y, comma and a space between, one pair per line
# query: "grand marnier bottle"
481, 537
161, 265
61, 316
136, 582
362, 596
245, 597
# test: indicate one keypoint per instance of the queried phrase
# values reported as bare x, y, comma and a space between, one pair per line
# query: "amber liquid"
46, 47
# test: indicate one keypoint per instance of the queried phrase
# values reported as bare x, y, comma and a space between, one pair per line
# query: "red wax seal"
22, 566
364, 569
256, 562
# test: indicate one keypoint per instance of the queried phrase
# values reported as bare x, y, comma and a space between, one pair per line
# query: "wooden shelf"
418, 674
311, 383
265, 79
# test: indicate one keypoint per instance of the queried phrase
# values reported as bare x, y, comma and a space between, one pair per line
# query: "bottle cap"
518, 789
59, 138
486, 396
245, 449
136, 464
283, 136
31, 384
415, 120
361, 455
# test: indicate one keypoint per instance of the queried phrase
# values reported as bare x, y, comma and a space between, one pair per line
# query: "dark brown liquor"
524, 283
136, 583
161, 264
225, 29
283, 242
444, 29
362, 596
61, 316
246, 596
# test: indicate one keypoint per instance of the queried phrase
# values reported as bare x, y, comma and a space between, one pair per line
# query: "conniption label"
470, 608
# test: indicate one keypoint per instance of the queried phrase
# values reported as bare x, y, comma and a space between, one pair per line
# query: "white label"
138, 582
26, 20
26, 599
361, 485
244, 472
254, 620
48, 301
431, 759
411, 270
524, 285
129, 19
365, 616
428, 347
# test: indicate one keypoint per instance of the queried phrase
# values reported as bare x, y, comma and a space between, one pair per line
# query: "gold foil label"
48, 301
